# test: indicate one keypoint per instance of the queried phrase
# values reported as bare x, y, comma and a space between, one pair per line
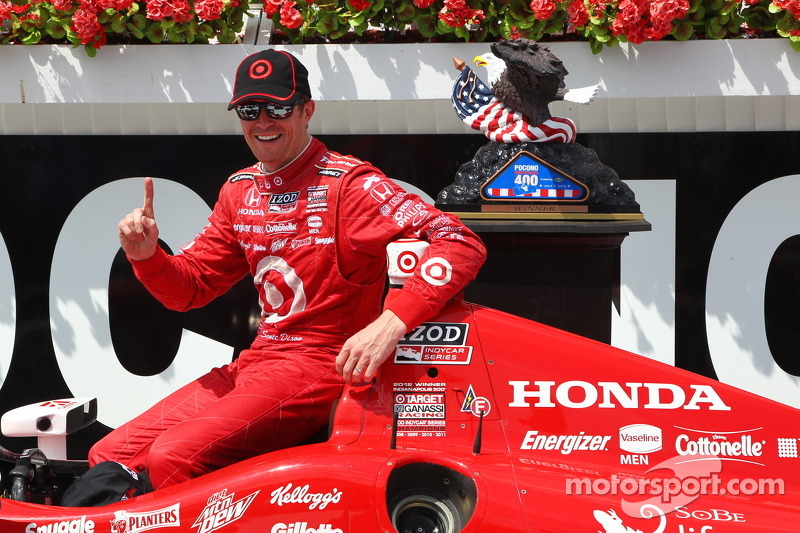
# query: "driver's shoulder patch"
239, 176
335, 166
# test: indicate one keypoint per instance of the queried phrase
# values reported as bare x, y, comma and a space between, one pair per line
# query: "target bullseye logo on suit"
437, 271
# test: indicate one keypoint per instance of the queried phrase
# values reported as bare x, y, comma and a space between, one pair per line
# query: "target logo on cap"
260, 69
437, 271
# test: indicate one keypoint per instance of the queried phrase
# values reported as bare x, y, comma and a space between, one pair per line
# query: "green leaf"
699, 15
405, 12
136, 32
155, 33
683, 31
339, 32
785, 25
55, 29
91, 51
596, 46
603, 38
462, 33
32, 38
117, 23
426, 25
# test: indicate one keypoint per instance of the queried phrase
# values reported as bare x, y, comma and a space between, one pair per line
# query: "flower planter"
398, 88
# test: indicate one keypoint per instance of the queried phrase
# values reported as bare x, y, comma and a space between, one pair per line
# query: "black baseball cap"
272, 75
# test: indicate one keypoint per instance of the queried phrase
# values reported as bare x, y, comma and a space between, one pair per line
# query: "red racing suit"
313, 236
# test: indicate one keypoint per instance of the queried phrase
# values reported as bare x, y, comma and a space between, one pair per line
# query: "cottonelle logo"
609, 395
727, 445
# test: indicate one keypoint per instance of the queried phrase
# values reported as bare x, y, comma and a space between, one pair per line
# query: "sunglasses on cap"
252, 110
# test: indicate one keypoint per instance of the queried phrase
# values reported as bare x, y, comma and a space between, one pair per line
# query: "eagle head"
494, 67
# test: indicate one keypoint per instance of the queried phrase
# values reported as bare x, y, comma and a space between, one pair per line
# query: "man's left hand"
365, 351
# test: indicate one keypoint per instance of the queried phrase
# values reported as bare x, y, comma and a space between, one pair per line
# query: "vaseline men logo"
640, 438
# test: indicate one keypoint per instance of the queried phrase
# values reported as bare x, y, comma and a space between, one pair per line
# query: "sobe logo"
609, 394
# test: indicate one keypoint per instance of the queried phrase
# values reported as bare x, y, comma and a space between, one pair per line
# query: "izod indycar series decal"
435, 343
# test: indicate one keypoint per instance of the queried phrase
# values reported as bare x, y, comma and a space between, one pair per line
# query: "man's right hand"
138, 231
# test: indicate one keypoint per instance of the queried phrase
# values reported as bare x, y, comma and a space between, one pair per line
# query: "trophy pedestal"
562, 273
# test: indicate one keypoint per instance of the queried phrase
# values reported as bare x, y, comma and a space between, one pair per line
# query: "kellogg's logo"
287, 494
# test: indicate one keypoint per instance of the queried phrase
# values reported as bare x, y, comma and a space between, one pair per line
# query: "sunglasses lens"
248, 111
275, 111
278, 111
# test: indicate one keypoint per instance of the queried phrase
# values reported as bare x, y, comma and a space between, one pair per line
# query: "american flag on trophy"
477, 107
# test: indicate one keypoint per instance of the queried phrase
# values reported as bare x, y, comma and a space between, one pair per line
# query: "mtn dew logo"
221, 510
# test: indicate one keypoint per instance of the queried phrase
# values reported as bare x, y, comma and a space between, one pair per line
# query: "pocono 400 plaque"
527, 178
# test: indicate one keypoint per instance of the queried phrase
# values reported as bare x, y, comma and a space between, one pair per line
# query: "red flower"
62, 5
543, 9
423, 4
181, 11
21, 8
272, 6
290, 15
578, 15
598, 7
84, 23
158, 9
6, 9
456, 13
208, 9
119, 5
360, 5
640, 20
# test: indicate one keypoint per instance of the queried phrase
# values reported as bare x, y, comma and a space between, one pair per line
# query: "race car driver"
311, 227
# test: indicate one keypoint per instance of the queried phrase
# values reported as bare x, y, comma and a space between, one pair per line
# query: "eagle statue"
523, 78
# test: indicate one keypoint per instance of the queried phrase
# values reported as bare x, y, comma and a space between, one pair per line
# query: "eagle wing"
533, 78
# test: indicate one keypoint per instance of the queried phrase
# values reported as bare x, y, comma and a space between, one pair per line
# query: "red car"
488, 422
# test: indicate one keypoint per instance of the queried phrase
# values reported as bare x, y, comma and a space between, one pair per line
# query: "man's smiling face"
275, 142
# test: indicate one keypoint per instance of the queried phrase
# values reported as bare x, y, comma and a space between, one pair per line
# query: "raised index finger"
147, 208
